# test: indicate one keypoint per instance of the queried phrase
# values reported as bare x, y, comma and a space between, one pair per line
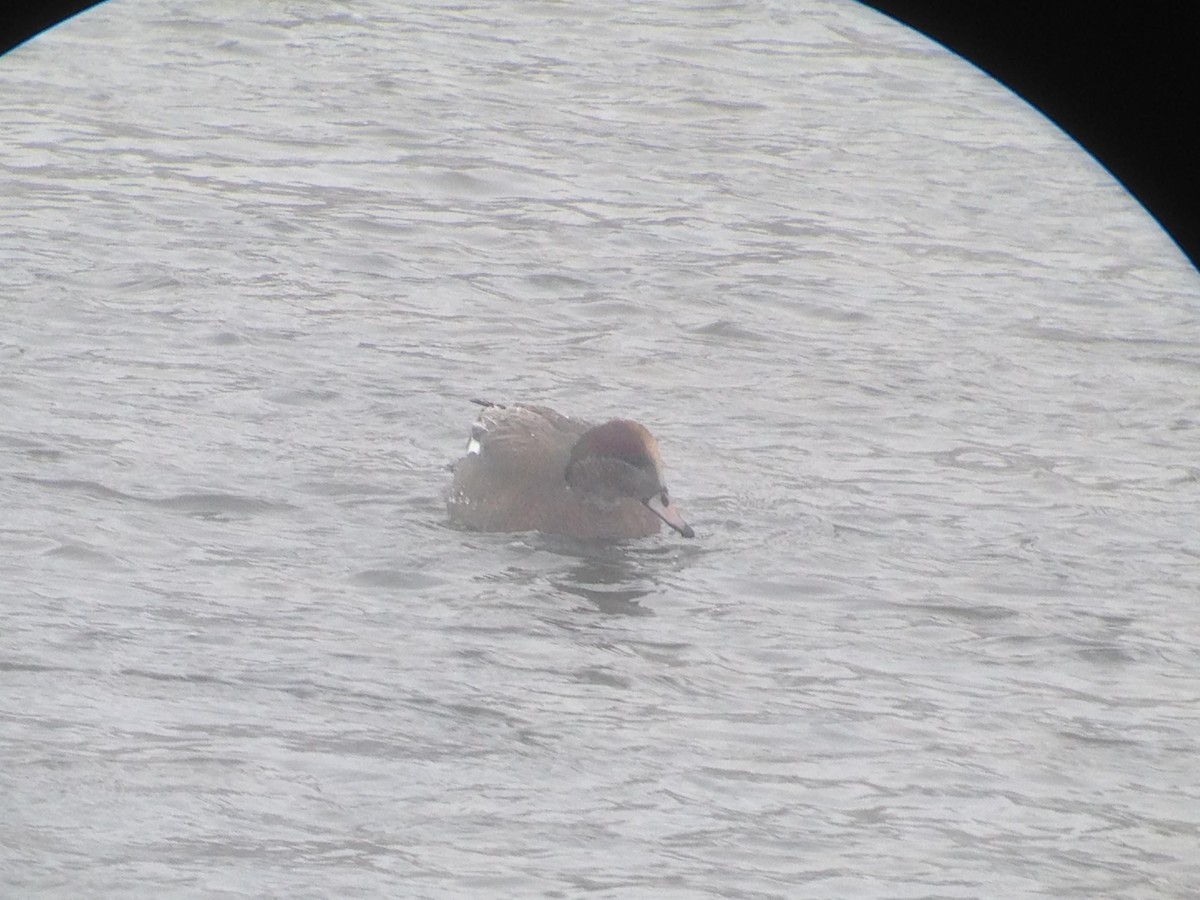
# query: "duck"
529, 468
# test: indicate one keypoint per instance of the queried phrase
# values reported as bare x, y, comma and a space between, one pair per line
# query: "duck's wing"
523, 438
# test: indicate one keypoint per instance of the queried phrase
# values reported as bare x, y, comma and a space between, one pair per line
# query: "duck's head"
620, 459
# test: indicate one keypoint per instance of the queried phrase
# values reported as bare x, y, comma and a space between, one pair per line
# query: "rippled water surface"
927, 382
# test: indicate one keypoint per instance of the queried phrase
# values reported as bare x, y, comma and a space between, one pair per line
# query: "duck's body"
529, 468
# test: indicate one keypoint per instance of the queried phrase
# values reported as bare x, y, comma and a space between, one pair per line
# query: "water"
926, 380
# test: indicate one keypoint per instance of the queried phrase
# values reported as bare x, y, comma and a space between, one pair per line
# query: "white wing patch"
478, 431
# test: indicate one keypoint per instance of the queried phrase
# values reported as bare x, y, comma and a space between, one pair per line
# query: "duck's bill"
669, 513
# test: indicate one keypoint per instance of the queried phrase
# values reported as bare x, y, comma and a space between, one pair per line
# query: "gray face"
607, 479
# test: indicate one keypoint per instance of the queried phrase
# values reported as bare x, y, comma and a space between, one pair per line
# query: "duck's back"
522, 440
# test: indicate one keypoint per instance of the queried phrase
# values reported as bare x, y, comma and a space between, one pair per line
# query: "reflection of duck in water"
529, 468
